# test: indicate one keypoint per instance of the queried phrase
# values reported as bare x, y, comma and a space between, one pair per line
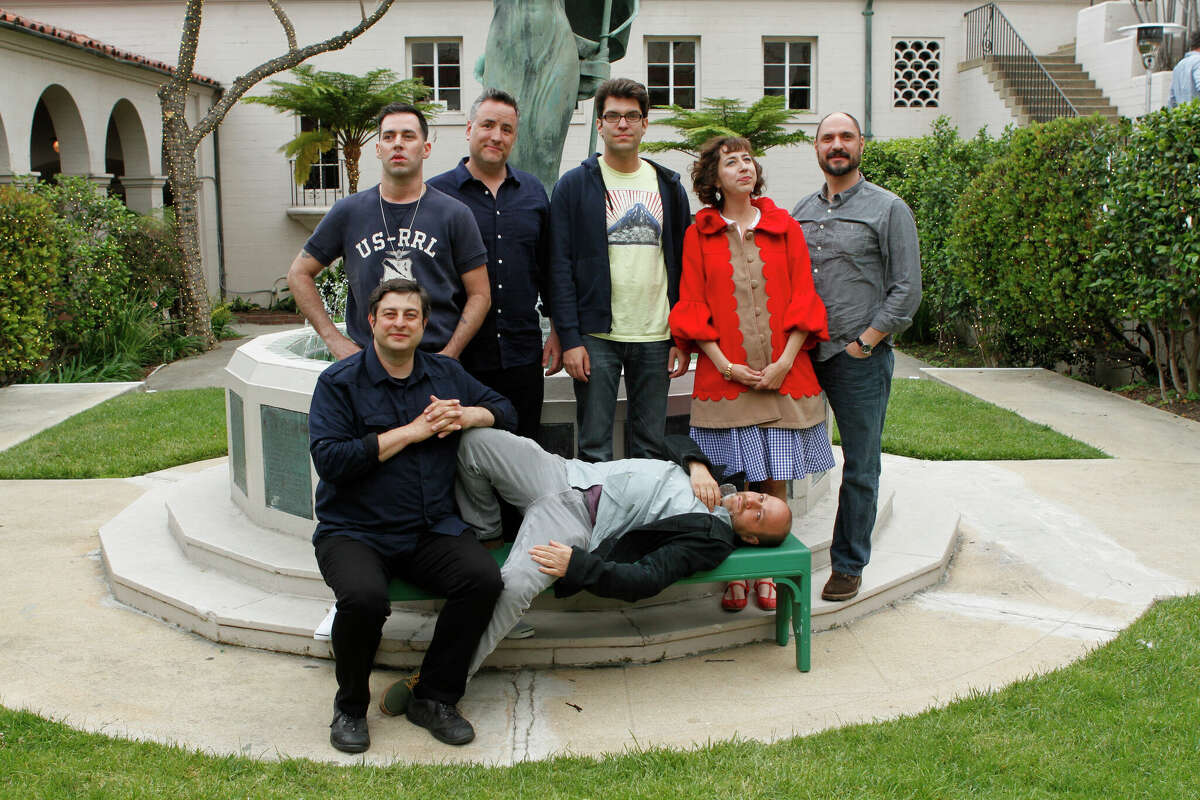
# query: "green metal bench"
790, 565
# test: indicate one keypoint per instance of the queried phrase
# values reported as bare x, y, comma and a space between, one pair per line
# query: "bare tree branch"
242, 84
362, 8
175, 87
288, 28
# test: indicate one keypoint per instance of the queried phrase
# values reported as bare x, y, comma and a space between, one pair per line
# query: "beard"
852, 163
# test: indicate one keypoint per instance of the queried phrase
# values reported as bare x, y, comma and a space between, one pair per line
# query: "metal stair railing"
990, 35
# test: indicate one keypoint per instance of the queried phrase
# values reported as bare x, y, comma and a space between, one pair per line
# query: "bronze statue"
551, 54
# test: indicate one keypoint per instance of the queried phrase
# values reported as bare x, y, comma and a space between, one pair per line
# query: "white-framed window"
788, 71
438, 62
917, 73
671, 71
325, 173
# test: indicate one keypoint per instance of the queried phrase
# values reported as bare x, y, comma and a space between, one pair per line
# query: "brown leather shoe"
841, 586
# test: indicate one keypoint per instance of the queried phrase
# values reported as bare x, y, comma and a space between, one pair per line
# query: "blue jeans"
858, 391
646, 385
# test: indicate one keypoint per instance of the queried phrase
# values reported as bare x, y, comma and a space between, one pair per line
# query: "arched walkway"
57, 141
5, 162
127, 158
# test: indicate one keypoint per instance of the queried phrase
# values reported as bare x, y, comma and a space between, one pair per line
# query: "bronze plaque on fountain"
237, 440
287, 480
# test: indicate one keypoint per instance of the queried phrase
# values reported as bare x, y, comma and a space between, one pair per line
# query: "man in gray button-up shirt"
866, 265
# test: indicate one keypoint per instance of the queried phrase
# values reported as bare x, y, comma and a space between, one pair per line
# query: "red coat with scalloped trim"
773, 279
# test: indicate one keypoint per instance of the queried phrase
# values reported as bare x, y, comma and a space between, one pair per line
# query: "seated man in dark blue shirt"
383, 432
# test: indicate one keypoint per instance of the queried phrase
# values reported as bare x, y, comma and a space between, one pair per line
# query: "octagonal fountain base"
225, 551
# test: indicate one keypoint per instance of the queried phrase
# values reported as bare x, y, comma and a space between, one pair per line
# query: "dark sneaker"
397, 697
440, 719
841, 586
349, 734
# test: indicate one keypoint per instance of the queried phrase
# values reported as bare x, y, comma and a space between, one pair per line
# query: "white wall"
31, 64
261, 240
1112, 60
94, 84
981, 106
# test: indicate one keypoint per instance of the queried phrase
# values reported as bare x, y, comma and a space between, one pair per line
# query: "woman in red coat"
747, 303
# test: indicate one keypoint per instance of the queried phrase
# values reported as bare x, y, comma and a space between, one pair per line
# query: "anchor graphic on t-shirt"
397, 264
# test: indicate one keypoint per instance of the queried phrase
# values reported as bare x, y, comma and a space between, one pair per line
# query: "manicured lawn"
138, 433
936, 422
1122, 722
128, 435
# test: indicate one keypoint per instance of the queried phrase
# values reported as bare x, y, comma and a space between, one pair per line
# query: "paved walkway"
1055, 557
26, 409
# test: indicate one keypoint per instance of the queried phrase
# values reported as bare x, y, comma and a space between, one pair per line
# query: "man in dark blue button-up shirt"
511, 209
383, 433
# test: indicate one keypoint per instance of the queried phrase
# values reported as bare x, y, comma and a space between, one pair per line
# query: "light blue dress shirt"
636, 492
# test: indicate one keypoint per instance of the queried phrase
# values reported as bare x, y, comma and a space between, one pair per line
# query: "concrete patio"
1053, 558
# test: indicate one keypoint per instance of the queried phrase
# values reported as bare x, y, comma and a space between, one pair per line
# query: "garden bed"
266, 316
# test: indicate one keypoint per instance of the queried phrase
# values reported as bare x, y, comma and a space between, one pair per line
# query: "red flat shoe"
730, 601
764, 594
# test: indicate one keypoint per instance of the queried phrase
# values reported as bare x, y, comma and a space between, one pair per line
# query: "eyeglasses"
614, 117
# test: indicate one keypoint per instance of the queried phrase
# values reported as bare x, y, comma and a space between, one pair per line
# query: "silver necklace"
411, 221
397, 260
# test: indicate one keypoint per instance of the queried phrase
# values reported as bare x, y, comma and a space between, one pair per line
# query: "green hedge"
930, 173
1149, 263
88, 288
1024, 235
29, 257
94, 275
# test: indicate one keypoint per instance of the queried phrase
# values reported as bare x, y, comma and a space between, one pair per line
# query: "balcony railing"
992, 38
325, 185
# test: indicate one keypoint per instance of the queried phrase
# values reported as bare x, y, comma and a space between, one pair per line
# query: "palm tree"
761, 124
344, 106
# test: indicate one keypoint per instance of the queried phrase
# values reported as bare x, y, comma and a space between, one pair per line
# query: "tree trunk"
180, 142
1191, 350
1173, 361
181, 169
352, 151
1160, 344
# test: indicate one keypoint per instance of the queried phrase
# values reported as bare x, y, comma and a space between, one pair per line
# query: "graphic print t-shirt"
434, 249
635, 259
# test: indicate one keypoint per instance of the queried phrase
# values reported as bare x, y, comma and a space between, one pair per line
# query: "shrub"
1150, 261
94, 274
930, 174
1023, 239
221, 320
148, 248
29, 257
132, 337
334, 288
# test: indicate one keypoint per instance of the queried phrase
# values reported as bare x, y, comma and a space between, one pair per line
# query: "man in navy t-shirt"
398, 229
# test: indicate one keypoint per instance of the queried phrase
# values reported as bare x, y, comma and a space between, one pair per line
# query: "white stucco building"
104, 115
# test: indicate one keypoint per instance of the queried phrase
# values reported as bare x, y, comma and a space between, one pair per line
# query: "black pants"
524, 388
457, 567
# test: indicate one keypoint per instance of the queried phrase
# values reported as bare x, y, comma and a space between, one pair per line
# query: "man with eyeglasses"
616, 252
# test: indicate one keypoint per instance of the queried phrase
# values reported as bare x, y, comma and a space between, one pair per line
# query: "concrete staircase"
1006, 74
185, 553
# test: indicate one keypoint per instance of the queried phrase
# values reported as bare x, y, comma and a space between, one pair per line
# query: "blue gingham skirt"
780, 454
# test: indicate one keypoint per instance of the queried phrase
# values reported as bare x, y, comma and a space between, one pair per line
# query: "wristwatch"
866, 348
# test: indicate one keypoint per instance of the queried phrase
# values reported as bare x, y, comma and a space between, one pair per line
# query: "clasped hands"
443, 417
770, 377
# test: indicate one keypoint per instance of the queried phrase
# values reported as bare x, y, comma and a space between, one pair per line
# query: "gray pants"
534, 481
